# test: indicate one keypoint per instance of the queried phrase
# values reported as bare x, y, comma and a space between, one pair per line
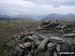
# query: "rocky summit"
46, 39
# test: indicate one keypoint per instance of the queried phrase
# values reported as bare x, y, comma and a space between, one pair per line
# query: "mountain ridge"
60, 17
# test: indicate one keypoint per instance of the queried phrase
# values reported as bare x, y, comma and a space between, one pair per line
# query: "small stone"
21, 45
73, 31
58, 26
55, 54
50, 45
63, 26
36, 40
29, 33
27, 44
30, 37
58, 47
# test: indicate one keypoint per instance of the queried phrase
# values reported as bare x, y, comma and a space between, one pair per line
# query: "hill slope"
67, 17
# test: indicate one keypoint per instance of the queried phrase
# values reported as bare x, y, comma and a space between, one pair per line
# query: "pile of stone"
57, 27
31, 44
35, 43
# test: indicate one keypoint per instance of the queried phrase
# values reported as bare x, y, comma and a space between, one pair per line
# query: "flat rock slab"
70, 35
57, 39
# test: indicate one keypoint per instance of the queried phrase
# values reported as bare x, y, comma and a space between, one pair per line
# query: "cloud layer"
54, 2
36, 7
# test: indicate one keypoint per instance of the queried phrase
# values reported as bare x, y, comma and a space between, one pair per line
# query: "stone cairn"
32, 44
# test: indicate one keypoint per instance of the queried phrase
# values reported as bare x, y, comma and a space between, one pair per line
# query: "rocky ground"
40, 38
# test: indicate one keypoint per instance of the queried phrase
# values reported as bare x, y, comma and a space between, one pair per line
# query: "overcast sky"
36, 7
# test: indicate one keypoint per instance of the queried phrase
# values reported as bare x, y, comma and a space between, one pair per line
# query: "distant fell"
66, 17
21, 17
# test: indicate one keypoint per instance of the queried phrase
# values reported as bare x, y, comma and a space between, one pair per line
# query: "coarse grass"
67, 22
5, 29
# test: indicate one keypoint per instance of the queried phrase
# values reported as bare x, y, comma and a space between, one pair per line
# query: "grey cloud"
36, 7
54, 2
